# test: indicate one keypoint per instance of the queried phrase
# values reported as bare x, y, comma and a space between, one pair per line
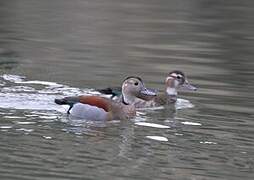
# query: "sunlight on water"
158, 138
5, 127
152, 125
183, 104
35, 98
191, 123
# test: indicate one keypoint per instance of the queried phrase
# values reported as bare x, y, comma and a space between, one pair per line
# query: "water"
51, 49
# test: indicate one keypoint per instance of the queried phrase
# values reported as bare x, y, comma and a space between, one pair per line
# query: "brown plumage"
100, 108
97, 101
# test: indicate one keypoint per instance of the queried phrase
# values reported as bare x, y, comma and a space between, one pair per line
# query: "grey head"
133, 88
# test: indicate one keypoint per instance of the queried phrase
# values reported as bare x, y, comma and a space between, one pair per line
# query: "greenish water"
51, 49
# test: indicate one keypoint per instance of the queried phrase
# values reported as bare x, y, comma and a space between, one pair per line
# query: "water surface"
52, 49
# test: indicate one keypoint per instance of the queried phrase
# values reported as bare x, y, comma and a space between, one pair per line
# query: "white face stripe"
176, 75
173, 74
132, 81
168, 78
173, 77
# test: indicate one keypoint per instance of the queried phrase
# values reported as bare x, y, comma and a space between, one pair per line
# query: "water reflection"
8, 60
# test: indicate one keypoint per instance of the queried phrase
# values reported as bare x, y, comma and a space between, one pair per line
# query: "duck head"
177, 79
133, 88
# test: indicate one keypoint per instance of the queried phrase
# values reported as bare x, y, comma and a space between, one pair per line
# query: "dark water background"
55, 48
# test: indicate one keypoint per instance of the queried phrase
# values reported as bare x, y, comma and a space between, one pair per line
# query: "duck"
174, 80
105, 109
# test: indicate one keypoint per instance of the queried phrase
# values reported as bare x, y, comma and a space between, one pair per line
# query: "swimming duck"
175, 80
100, 108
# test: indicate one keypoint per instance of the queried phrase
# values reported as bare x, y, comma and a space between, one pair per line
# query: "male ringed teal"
100, 108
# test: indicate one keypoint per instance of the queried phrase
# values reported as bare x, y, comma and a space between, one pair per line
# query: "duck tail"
60, 101
111, 91
67, 100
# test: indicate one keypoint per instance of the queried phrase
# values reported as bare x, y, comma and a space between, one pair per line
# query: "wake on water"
18, 93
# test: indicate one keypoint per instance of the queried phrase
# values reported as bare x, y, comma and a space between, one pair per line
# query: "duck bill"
147, 94
188, 86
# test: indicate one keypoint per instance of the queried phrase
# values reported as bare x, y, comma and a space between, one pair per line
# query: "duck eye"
178, 77
136, 83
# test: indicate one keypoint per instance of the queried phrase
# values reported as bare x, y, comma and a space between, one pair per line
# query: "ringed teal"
100, 108
175, 80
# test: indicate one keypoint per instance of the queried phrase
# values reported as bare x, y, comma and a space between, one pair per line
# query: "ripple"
25, 122
13, 78
207, 142
191, 123
5, 127
152, 125
48, 117
18, 89
46, 83
25, 130
20, 80
36, 98
158, 138
151, 108
183, 104
47, 137
179, 47
14, 117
